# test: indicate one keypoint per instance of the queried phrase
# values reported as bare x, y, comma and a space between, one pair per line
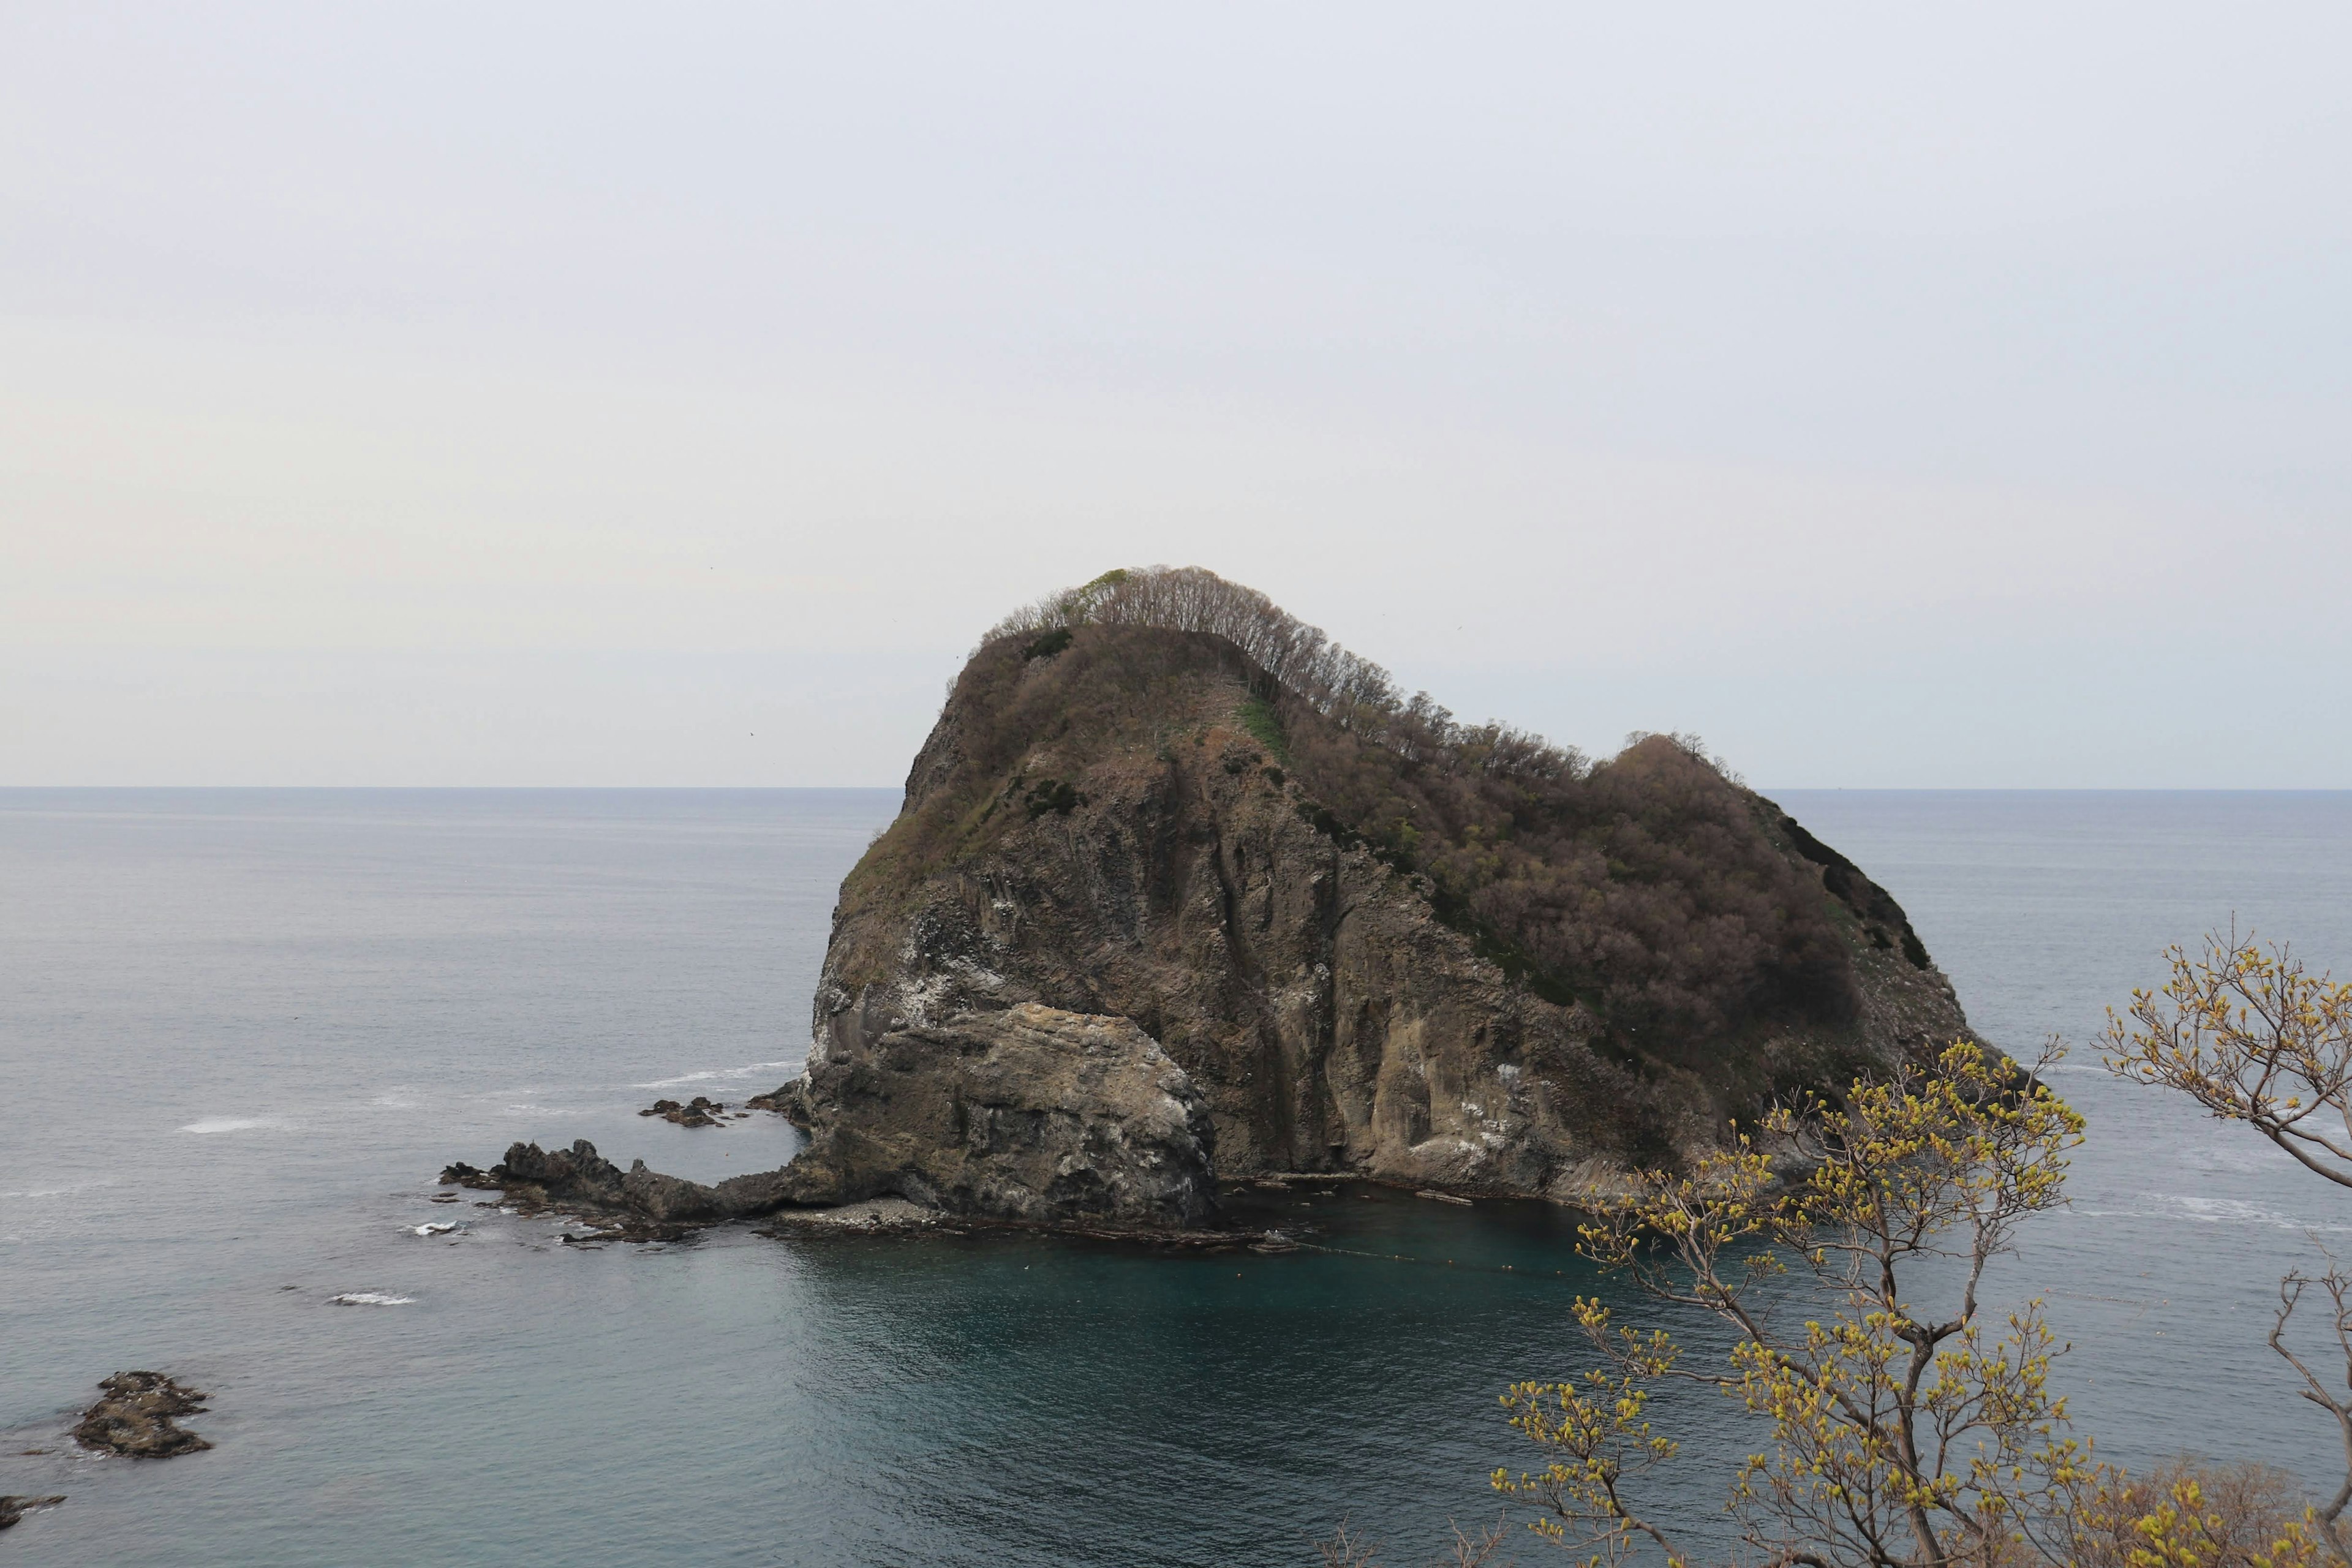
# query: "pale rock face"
1028, 1113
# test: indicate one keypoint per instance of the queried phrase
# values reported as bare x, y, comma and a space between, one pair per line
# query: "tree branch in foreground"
2253, 1036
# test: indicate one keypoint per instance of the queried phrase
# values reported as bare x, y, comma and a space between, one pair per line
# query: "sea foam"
233, 1123
744, 1071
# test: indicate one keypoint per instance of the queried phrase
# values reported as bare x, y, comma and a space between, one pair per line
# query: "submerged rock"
14, 1508
137, 1417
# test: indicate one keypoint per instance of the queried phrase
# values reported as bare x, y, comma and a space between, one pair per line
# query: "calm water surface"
241, 1030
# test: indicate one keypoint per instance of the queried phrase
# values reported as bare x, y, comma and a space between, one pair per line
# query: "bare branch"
2253, 1036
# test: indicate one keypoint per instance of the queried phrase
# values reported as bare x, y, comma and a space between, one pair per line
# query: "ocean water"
240, 1031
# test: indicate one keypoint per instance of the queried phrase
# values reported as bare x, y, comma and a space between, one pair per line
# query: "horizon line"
876, 789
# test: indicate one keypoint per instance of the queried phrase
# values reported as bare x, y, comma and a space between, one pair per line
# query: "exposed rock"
578, 1180
137, 1417
14, 1508
697, 1113
789, 1102
869, 1215
1028, 1113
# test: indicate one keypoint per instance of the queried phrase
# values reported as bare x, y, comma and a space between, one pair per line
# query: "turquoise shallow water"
239, 1031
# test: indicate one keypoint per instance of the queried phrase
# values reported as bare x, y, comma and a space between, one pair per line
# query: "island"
1181, 893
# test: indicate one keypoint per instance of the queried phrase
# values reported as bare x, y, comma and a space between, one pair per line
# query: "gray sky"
580, 394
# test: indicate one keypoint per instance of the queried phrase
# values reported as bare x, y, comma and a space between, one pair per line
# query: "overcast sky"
601, 395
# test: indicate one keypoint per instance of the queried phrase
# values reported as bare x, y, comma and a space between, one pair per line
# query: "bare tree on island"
2251, 1035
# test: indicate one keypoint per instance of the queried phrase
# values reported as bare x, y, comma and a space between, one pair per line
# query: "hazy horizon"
583, 396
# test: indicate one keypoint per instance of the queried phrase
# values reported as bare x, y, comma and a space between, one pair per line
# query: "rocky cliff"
1181, 893
1365, 939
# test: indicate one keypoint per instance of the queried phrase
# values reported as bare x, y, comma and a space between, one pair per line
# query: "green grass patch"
1258, 716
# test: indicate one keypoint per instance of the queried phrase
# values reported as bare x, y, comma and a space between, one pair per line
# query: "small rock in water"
697, 1113
136, 1418
11, 1508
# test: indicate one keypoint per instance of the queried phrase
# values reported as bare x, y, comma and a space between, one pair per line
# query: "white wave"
2232, 1211
56, 1192
2056, 1067
745, 1072
394, 1101
370, 1299
435, 1227
233, 1123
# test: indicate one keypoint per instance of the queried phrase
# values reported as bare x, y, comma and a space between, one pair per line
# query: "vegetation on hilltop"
1648, 886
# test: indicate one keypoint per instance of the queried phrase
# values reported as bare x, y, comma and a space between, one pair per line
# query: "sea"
242, 1030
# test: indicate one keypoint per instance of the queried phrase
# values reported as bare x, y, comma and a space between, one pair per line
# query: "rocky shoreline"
642, 1206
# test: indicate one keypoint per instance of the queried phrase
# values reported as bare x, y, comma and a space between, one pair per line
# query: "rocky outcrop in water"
138, 1417
1029, 1113
787, 1102
13, 1508
700, 1111
1183, 894
578, 1180
1442, 957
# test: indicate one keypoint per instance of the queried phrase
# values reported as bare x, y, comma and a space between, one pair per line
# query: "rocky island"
138, 1417
1181, 893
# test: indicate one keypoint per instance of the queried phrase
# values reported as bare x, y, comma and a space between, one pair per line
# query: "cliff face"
1351, 958
1026, 1113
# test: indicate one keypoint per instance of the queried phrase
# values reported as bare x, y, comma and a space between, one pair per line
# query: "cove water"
240, 1032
